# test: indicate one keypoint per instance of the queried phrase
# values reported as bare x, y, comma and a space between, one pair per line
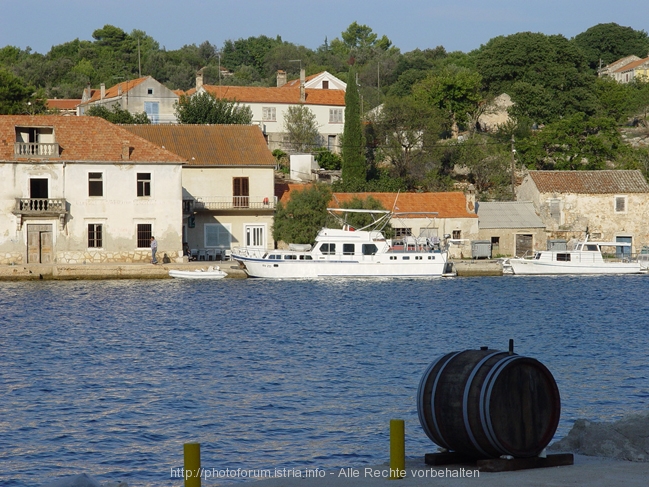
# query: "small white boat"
585, 258
209, 273
350, 252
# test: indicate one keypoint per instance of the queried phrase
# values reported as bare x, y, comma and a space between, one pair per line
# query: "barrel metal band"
465, 398
485, 400
432, 401
420, 397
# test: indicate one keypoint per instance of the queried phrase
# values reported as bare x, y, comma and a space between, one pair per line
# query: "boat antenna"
394, 206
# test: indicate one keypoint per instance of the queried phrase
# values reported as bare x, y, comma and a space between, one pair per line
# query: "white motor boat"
347, 252
209, 273
585, 258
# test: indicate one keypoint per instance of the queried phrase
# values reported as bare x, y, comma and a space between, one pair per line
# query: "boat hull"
197, 274
528, 267
384, 268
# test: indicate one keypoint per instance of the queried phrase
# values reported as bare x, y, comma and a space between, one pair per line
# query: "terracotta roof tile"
210, 145
590, 182
113, 91
446, 205
62, 103
83, 139
632, 65
289, 96
296, 82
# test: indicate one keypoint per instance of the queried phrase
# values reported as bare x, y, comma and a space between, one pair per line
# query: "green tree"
204, 108
454, 91
116, 114
300, 220
354, 167
301, 128
572, 143
407, 127
547, 77
328, 160
16, 98
606, 43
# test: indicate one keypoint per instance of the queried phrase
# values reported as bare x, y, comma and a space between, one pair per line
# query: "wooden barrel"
487, 403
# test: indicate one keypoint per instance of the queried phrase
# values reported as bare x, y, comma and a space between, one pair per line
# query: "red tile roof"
83, 139
210, 145
446, 205
632, 65
63, 103
295, 83
113, 91
289, 96
590, 182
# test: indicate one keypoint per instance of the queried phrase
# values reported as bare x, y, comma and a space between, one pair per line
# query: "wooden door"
40, 248
241, 192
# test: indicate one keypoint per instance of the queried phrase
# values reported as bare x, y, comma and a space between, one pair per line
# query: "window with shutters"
620, 204
335, 115
269, 114
240, 192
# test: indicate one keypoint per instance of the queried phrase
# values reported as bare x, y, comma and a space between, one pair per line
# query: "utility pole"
513, 169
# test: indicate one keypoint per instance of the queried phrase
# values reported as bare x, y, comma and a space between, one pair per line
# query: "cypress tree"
354, 170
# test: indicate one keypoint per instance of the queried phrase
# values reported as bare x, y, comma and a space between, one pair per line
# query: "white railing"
234, 202
32, 149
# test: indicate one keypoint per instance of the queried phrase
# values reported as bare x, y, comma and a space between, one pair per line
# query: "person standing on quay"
154, 249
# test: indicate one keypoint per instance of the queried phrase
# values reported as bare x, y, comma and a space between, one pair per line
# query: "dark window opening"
369, 249
144, 184
95, 239
143, 235
563, 257
95, 184
348, 249
38, 188
328, 249
240, 192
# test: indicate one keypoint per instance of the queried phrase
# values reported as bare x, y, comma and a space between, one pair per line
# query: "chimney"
469, 196
302, 90
281, 78
102, 87
87, 93
199, 78
126, 150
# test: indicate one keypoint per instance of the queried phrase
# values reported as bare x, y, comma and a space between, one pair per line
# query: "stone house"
609, 205
269, 106
135, 96
512, 227
82, 190
627, 69
227, 181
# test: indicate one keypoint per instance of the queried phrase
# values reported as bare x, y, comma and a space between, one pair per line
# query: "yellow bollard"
192, 470
397, 449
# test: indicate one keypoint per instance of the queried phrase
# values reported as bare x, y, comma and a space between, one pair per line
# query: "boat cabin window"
275, 257
328, 248
591, 248
537, 256
306, 257
348, 249
370, 249
290, 257
563, 257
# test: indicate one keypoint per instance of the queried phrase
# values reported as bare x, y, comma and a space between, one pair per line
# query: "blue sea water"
110, 378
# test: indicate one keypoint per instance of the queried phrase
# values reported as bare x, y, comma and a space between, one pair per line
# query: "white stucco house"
82, 190
228, 185
135, 96
326, 99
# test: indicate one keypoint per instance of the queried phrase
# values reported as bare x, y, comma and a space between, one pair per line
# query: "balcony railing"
40, 206
31, 149
229, 203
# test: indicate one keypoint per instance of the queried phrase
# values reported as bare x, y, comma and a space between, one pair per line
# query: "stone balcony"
41, 207
33, 150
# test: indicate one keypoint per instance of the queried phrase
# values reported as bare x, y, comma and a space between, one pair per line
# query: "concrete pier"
107, 271
470, 268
